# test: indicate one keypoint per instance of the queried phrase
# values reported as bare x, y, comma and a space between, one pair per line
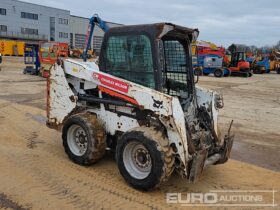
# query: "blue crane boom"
94, 20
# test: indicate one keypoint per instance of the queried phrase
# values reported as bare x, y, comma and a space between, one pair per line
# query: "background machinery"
94, 20
49, 53
31, 59
141, 101
239, 66
266, 61
275, 61
211, 59
261, 64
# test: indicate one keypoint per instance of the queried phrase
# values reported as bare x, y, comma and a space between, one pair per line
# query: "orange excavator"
238, 65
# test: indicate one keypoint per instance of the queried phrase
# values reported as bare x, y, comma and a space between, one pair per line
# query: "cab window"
175, 73
130, 57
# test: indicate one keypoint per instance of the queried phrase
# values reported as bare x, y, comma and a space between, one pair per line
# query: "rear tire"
144, 158
278, 71
218, 73
84, 139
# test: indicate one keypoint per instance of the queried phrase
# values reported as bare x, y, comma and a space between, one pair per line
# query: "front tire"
144, 158
218, 73
84, 139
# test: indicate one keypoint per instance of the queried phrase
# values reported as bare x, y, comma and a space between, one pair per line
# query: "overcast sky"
251, 22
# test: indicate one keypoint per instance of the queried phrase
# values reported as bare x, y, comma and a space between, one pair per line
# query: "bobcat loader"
141, 101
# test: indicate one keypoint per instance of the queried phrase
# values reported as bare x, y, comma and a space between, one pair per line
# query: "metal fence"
18, 35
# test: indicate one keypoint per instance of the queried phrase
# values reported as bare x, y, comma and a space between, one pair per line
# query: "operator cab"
237, 57
157, 56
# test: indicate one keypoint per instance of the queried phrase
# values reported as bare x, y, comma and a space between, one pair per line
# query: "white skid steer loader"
141, 101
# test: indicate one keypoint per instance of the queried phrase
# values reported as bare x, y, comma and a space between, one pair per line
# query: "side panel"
208, 99
61, 100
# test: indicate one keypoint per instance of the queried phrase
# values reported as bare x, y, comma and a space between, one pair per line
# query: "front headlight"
219, 101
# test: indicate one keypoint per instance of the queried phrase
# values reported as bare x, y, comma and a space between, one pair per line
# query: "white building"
32, 23
27, 21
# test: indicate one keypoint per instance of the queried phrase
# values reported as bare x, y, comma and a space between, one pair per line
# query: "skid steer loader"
141, 101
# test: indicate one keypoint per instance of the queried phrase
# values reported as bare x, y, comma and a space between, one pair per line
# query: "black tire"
278, 71
218, 73
94, 134
250, 74
160, 155
197, 71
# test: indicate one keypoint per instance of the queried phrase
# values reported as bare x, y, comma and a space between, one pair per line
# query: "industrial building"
33, 23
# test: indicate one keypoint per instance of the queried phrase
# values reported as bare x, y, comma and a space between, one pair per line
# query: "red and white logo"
111, 82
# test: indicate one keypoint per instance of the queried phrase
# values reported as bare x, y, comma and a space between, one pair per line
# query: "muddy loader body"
140, 101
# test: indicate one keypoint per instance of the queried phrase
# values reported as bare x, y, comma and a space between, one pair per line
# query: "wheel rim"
137, 160
219, 73
77, 140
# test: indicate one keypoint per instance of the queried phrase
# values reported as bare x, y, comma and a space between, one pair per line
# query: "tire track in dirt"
120, 194
7, 203
99, 186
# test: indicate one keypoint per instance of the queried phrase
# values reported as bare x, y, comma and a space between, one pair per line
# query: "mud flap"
226, 149
197, 164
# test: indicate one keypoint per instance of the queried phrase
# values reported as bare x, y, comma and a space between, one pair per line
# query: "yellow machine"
77, 53
10, 47
275, 61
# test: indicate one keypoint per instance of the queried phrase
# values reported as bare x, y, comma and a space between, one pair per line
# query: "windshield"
130, 57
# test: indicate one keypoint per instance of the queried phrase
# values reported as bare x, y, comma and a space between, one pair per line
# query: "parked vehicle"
141, 101
31, 59
261, 64
238, 65
211, 64
49, 53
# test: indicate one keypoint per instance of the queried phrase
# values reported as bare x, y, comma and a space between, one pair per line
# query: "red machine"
49, 53
239, 66
219, 51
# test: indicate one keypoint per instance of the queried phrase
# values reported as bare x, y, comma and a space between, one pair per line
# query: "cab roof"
157, 30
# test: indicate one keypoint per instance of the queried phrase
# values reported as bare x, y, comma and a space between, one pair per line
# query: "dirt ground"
35, 172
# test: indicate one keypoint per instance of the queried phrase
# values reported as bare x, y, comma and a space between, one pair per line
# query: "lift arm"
92, 21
